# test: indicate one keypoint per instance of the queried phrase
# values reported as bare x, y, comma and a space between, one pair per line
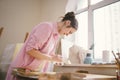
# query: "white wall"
20, 16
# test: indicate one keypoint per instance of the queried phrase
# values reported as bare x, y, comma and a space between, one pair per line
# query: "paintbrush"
118, 62
115, 57
118, 53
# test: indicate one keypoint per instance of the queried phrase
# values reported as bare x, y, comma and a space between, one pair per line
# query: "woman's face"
66, 29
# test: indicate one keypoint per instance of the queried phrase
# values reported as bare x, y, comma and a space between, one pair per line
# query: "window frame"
90, 10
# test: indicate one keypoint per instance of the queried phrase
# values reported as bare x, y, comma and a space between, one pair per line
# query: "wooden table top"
70, 76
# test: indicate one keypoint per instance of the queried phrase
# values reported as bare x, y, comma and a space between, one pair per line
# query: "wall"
19, 16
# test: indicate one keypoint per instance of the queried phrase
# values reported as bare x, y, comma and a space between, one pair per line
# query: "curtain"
71, 6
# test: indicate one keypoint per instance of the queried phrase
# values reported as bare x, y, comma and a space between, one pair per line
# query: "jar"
88, 59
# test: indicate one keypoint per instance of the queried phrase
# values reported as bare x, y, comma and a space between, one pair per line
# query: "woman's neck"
59, 26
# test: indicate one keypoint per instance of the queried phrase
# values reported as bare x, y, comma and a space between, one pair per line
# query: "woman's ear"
67, 22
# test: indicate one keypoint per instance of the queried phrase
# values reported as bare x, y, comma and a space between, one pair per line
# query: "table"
92, 69
63, 76
99, 77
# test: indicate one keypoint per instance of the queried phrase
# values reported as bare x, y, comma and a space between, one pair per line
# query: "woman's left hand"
57, 58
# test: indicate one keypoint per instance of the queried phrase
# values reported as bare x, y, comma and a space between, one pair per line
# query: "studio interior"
92, 52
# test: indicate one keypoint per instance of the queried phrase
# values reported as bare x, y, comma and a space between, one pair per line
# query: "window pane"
95, 1
106, 29
81, 36
82, 4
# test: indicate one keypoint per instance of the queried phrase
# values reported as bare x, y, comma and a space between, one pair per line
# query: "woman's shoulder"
44, 25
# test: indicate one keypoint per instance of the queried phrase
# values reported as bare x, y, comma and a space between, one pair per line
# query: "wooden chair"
26, 36
1, 30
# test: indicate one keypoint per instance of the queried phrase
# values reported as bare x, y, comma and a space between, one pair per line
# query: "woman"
41, 44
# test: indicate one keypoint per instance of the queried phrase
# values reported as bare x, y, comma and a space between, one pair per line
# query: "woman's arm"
40, 56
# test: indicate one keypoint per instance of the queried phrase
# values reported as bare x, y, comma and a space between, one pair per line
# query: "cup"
106, 56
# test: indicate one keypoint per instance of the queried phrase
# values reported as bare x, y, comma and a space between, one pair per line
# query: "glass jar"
88, 59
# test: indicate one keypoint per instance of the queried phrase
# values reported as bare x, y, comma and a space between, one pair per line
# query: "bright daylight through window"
106, 29
99, 24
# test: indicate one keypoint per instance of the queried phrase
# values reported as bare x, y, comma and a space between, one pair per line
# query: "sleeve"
38, 38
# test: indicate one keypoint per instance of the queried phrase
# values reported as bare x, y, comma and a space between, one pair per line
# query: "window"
106, 29
82, 4
95, 1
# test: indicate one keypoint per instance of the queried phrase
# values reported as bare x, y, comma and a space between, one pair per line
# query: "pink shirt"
44, 38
